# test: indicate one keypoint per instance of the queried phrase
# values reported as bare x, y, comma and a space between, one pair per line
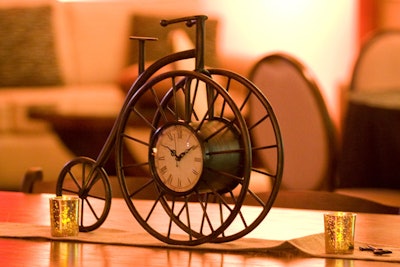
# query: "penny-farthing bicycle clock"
195, 131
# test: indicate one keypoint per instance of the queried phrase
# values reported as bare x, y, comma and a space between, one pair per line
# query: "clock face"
177, 157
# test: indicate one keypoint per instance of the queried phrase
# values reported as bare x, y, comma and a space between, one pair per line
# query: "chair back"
378, 64
306, 127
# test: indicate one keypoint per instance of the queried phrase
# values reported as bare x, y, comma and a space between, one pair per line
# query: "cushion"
27, 49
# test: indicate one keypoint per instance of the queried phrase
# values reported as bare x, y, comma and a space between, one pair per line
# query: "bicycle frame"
220, 126
145, 74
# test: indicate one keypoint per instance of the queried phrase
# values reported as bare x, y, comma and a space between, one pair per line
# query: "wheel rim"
245, 93
83, 178
181, 103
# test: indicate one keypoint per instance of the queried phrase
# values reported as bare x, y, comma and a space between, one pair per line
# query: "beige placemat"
312, 245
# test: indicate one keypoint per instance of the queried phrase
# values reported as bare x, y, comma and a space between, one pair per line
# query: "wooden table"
33, 208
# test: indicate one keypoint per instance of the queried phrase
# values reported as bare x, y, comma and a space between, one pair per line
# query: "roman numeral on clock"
163, 169
169, 180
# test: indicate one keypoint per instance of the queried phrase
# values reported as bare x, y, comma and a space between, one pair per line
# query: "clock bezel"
155, 169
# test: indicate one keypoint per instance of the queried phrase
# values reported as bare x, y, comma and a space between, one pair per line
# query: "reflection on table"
371, 143
282, 224
16, 252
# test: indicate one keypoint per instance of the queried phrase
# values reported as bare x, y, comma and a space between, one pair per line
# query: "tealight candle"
339, 232
64, 216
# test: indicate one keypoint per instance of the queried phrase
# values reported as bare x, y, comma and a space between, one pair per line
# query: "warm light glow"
320, 33
84, 0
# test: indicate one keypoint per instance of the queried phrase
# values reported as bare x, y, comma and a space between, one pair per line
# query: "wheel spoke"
141, 188
188, 220
135, 165
257, 123
124, 135
275, 146
190, 101
70, 191
209, 113
143, 118
175, 101
157, 200
220, 198
75, 180
264, 172
241, 216
218, 173
230, 151
205, 218
97, 197
218, 131
158, 104
171, 220
91, 208
256, 197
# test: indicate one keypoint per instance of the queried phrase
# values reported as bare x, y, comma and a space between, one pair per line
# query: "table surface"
33, 208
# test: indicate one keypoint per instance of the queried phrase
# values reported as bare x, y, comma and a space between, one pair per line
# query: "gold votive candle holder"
64, 216
339, 232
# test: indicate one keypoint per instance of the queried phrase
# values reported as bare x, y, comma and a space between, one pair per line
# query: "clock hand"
181, 155
173, 151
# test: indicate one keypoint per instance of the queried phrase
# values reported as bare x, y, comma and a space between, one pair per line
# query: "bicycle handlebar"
199, 21
190, 21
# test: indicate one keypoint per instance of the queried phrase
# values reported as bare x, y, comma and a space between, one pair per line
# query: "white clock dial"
177, 157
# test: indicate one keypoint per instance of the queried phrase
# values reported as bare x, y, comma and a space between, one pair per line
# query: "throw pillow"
27, 50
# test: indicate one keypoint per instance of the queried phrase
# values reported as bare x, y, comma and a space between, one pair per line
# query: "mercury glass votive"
339, 232
64, 216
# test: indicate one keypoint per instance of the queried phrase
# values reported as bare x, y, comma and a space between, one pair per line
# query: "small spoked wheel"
83, 178
265, 180
198, 150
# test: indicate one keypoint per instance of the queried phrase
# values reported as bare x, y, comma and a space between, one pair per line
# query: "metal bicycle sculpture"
196, 130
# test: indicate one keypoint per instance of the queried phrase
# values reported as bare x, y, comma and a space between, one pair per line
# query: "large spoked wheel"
264, 180
83, 178
198, 149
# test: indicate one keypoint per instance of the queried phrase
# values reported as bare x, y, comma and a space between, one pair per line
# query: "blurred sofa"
68, 57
